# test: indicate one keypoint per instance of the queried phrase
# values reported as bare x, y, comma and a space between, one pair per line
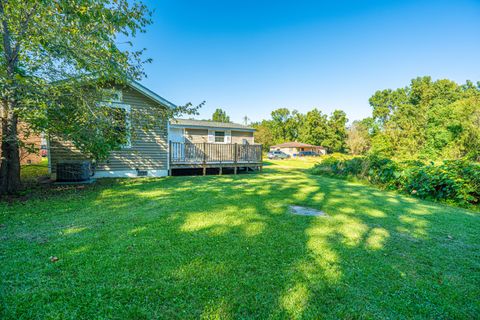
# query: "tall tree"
314, 128
220, 116
56, 56
427, 120
358, 136
337, 132
279, 124
263, 133
286, 124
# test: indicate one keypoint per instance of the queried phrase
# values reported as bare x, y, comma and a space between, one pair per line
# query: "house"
158, 151
30, 152
196, 131
294, 148
33, 151
210, 144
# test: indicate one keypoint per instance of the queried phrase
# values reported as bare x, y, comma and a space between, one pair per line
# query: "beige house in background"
146, 152
173, 144
198, 131
212, 145
294, 148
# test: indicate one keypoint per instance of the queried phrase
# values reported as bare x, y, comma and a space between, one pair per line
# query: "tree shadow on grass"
394, 255
226, 247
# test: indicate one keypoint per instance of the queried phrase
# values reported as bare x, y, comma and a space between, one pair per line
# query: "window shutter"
228, 136
211, 136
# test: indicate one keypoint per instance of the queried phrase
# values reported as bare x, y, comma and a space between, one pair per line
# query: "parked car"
43, 150
307, 154
277, 155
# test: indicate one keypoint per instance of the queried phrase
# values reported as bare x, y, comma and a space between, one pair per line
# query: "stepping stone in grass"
304, 211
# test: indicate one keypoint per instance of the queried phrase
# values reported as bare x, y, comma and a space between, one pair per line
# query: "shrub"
382, 171
454, 181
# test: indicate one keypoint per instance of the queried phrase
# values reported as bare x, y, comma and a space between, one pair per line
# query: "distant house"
195, 131
34, 149
31, 152
174, 144
294, 148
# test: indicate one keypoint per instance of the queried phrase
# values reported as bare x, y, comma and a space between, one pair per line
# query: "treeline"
314, 127
427, 120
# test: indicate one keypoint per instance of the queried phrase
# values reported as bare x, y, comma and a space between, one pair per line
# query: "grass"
29, 173
298, 163
226, 247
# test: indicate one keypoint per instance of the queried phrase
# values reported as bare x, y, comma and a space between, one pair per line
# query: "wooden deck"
215, 155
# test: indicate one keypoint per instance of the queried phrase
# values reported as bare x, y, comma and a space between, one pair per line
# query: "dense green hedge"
453, 181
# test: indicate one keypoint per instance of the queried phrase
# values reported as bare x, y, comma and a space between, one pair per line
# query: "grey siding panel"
148, 151
201, 135
196, 135
238, 136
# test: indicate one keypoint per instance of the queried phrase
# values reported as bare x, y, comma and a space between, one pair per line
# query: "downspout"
168, 147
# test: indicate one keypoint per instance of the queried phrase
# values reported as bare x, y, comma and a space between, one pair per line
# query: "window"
118, 130
120, 125
220, 136
244, 141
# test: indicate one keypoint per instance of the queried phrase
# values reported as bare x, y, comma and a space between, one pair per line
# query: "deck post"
220, 171
235, 158
204, 158
169, 157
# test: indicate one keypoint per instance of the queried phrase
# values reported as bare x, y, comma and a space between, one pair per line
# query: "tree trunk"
10, 157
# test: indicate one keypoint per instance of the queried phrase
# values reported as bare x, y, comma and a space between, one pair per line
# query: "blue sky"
251, 57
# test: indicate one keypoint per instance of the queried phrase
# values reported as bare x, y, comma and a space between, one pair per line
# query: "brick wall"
26, 156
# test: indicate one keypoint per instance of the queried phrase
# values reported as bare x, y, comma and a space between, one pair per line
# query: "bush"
382, 171
454, 181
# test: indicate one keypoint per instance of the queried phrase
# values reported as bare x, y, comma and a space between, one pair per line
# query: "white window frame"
215, 136
227, 136
128, 124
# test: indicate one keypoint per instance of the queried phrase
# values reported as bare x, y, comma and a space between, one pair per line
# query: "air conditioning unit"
74, 171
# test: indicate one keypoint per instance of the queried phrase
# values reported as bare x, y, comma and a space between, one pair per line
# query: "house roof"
143, 90
295, 145
191, 123
149, 93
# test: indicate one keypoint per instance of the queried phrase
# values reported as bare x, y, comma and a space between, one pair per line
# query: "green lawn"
31, 172
225, 247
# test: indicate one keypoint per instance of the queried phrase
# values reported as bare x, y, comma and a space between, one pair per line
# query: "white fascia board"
149, 93
210, 128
